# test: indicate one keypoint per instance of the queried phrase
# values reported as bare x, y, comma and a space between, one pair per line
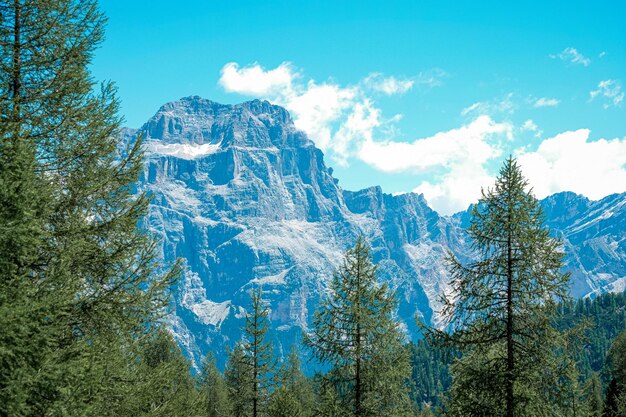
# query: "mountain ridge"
247, 200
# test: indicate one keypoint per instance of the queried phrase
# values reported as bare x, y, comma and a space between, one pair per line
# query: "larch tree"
258, 352
214, 400
500, 307
615, 403
239, 382
295, 396
354, 330
70, 217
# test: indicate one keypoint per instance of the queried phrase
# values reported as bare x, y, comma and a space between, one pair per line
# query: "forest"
84, 299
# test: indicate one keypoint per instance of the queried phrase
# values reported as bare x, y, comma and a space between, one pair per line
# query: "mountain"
247, 200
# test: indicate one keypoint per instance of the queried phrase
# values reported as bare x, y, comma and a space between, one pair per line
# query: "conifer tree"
354, 331
296, 395
239, 381
615, 404
501, 306
214, 392
71, 244
165, 385
595, 401
258, 352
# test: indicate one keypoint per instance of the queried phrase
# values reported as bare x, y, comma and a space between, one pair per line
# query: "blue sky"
428, 96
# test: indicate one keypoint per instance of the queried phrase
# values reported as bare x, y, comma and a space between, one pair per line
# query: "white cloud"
572, 55
317, 108
461, 153
338, 118
454, 165
505, 105
546, 102
530, 125
457, 189
442, 149
611, 90
256, 81
388, 85
391, 85
570, 162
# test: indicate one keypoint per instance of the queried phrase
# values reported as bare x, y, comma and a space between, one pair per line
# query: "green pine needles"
500, 306
354, 330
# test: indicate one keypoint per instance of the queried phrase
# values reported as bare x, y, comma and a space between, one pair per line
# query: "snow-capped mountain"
247, 200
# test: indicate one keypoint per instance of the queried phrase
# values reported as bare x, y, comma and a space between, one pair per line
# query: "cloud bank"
451, 166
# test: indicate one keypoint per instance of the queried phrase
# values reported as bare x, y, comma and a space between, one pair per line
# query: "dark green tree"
354, 330
501, 306
615, 404
165, 385
239, 381
71, 244
595, 402
296, 395
213, 391
258, 352
284, 403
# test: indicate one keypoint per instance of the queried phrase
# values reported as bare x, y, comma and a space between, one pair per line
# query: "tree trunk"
357, 393
510, 363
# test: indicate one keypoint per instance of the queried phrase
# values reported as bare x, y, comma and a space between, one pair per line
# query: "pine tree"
354, 331
502, 305
296, 395
82, 266
284, 403
615, 404
239, 381
258, 352
166, 388
595, 395
214, 392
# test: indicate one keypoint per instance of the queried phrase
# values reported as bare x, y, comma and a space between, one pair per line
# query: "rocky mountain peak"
197, 121
247, 201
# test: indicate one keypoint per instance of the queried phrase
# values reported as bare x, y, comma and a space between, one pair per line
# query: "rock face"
247, 201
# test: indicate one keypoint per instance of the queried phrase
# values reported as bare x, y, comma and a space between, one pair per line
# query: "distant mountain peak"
247, 200
207, 126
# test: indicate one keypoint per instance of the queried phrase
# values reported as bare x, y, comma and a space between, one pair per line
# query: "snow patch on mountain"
181, 150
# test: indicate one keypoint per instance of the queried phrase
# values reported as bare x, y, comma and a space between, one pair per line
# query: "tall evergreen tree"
354, 330
295, 396
213, 391
71, 244
615, 404
258, 352
500, 308
239, 381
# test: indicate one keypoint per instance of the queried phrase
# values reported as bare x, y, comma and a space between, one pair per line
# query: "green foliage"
615, 405
354, 331
606, 318
78, 289
502, 306
239, 381
430, 373
284, 403
163, 385
214, 400
258, 355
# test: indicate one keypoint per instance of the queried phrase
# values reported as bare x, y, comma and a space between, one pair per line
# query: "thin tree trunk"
16, 81
256, 367
358, 394
510, 363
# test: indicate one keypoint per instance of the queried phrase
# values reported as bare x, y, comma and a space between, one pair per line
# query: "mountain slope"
247, 200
